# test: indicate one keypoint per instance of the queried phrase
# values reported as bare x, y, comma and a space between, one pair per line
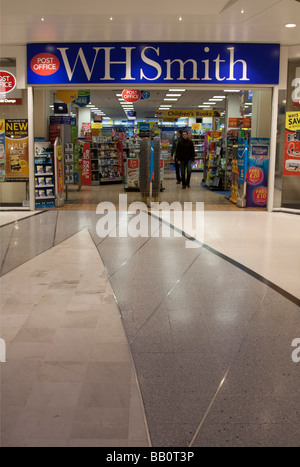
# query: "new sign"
171, 63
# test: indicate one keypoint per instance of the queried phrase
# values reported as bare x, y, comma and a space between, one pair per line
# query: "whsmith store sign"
195, 63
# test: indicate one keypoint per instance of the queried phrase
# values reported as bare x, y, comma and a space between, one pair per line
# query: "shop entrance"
217, 121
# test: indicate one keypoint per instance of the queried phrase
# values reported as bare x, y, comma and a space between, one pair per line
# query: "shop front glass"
14, 163
287, 169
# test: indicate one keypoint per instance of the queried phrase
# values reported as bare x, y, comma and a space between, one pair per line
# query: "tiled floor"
123, 341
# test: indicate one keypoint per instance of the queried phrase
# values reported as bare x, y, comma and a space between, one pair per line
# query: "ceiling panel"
107, 101
202, 20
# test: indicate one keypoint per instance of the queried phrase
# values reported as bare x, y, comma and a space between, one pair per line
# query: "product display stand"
199, 139
44, 175
214, 172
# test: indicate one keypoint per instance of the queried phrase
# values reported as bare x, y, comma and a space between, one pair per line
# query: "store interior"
215, 119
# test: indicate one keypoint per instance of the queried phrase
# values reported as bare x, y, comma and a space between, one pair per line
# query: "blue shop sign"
137, 63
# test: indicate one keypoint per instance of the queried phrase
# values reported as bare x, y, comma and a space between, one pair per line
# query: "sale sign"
131, 95
16, 149
7, 82
292, 144
86, 165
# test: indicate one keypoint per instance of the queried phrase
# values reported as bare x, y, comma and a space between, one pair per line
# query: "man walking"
174, 149
186, 155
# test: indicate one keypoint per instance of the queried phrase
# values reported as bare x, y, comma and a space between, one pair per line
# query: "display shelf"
200, 142
44, 176
215, 162
108, 160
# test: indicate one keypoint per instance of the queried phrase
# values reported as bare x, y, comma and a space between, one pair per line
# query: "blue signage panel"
137, 63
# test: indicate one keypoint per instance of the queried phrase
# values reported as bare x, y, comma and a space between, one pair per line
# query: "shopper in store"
174, 148
185, 154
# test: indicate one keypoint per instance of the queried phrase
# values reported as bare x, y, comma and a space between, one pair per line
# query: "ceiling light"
177, 90
242, 11
231, 90
290, 25
111, 18
206, 106
42, 19
219, 97
215, 100
170, 99
180, 18
173, 95
90, 105
208, 103
119, 95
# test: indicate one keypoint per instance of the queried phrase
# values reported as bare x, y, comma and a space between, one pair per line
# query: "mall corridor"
122, 341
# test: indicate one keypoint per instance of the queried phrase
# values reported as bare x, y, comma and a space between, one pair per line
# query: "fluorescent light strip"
176, 90
219, 97
170, 99
232, 90
208, 103
173, 95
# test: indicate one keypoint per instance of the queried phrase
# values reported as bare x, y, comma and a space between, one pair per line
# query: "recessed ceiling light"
173, 95
206, 106
215, 100
177, 90
167, 99
290, 25
219, 97
42, 19
180, 18
119, 95
242, 11
111, 18
231, 90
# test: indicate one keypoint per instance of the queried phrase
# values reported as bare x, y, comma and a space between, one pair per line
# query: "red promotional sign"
86, 165
131, 95
44, 64
7, 82
255, 175
133, 164
120, 158
260, 195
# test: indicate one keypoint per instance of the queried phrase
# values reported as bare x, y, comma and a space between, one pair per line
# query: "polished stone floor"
142, 341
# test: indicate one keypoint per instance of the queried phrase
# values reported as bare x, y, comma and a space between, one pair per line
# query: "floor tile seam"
24, 218
165, 297
6, 253
239, 265
133, 254
41, 253
218, 390
129, 350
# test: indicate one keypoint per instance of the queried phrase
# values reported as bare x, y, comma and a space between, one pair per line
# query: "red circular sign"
254, 175
7, 82
131, 95
44, 64
260, 195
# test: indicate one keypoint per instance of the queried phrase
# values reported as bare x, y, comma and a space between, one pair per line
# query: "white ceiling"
155, 20
263, 21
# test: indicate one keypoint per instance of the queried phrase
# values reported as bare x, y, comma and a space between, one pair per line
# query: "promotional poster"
16, 149
257, 173
291, 165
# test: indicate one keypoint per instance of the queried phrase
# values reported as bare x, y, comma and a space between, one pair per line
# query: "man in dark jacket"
174, 149
186, 155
